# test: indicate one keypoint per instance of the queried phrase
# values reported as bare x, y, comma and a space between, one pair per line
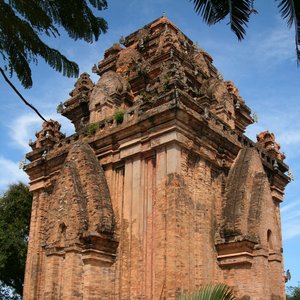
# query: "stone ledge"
235, 259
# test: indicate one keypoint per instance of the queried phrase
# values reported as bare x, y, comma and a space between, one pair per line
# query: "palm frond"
59, 62
20, 45
33, 13
290, 10
287, 10
218, 291
22, 25
99, 4
77, 17
239, 12
213, 11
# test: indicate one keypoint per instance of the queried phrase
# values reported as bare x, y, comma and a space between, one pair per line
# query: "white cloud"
283, 121
275, 45
288, 207
10, 173
286, 135
260, 52
289, 137
24, 127
21, 129
290, 215
291, 229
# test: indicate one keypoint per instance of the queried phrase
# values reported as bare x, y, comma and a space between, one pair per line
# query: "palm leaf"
33, 13
77, 17
20, 45
239, 11
290, 10
23, 25
213, 11
218, 291
99, 4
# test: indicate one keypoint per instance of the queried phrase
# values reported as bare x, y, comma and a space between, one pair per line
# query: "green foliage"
239, 12
293, 293
92, 128
145, 95
166, 83
22, 26
119, 116
218, 291
214, 11
15, 210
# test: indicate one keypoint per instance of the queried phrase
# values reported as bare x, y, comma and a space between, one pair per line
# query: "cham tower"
158, 191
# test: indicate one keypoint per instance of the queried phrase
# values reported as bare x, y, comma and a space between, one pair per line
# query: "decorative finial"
44, 154
22, 163
95, 69
122, 40
220, 75
60, 108
141, 44
255, 117
290, 175
275, 165
206, 113
171, 53
237, 105
287, 276
164, 14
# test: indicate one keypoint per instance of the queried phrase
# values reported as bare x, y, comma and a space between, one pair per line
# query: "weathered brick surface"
166, 198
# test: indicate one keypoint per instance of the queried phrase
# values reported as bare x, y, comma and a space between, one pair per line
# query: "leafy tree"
218, 291
293, 293
24, 24
239, 11
15, 210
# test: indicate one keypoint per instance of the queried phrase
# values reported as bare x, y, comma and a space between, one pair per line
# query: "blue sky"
263, 67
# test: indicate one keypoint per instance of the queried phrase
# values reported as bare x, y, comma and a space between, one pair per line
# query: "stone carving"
201, 63
287, 276
75, 210
76, 108
171, 37
142, 69
216, 89
102, 102
233, 90
112, 51
167, 38
267, 141
126, 60
48, 136
83, 85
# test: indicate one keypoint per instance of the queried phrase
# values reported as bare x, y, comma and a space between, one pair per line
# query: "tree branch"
19, 94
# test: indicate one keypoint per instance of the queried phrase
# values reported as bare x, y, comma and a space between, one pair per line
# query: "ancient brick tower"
158, 191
